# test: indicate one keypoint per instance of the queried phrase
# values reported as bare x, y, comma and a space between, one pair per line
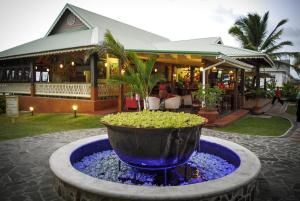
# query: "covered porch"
55, 81
184, 72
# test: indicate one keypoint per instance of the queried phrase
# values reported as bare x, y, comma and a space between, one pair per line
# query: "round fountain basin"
154, 148
71, 184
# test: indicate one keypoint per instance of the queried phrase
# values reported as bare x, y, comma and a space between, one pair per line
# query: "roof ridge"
217, 37
239, 48
111, 19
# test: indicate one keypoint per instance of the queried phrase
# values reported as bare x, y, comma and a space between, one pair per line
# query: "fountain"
142, 164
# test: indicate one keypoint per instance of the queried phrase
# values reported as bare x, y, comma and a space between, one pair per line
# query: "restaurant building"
51, 73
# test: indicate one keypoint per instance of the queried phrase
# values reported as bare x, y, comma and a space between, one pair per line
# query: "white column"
203, 84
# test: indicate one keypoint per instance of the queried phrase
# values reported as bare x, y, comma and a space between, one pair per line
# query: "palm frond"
278, 46
297, 59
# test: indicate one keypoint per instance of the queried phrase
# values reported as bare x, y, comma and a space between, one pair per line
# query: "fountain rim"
61, 166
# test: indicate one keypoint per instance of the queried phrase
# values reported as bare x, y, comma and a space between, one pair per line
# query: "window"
38, 76
45, 76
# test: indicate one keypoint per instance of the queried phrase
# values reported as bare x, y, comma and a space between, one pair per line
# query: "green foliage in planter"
153, 119
271, 87
258, 93
2, 104
211, 96
289, 90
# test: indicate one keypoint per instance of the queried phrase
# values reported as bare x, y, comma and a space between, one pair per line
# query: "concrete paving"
25, 173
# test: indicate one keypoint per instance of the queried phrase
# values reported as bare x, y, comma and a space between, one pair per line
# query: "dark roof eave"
266, 58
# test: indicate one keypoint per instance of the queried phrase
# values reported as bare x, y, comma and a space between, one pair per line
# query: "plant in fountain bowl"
154, 139
146, 139
210, 98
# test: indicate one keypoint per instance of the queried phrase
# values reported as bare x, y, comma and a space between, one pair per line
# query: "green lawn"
252, 125
291, 109
27, 125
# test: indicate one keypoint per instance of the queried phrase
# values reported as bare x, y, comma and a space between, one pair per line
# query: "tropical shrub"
271, 87
153, 119
289, 90
211, 96
138, 76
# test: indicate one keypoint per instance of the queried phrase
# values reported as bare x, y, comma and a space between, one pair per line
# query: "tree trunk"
146, 103
121, 91
257, 75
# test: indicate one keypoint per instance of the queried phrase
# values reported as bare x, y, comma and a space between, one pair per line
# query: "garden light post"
74, 107
31, 109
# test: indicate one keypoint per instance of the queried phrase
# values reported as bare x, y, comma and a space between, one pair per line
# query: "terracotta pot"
210, 114
154, 148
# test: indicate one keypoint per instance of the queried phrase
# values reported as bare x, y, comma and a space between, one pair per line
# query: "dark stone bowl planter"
154, 148
210, 114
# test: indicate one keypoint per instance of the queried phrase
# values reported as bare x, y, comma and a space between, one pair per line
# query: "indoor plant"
210, 98
151, 139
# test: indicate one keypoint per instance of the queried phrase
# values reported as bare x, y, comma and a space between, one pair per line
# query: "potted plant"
210, 98
154, 139
138, 76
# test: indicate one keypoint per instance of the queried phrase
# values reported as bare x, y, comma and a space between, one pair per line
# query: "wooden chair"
130, 103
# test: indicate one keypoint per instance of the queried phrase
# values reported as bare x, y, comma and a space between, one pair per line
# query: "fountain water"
89, 170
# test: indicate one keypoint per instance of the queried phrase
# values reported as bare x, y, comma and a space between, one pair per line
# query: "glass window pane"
37, 76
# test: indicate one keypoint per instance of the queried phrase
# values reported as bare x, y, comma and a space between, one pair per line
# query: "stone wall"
71, 193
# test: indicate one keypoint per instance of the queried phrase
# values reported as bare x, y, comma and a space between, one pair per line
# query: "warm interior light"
105, 64
122, 71
36, 67
73, 63
31, 108
174, 75
155, 70
47, 69
230, 72
74, 107
214, 68
201, 68
61, 65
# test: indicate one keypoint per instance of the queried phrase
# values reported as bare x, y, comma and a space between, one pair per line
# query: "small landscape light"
105, 64
61, 65
155, 70
74, 107
73, 63
48, 69
122, 71
201, 68
31, 110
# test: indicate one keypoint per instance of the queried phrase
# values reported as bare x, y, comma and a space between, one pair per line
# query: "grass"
27, 125
291, 109
250, 125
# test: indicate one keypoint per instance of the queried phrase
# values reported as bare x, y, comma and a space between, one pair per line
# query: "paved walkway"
25, 173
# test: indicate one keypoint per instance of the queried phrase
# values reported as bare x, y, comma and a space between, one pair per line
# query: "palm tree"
138, 76
111, 46
297, 60
251, 32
